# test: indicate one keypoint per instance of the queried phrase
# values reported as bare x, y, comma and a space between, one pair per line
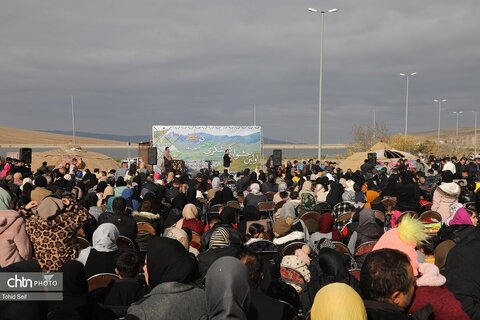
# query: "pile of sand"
59, 157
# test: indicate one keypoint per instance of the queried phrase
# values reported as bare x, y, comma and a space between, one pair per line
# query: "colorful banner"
199, 145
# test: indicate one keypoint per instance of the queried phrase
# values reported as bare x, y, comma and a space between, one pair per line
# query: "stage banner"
200, 146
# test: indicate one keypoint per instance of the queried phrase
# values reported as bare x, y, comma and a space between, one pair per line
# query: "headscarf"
338, 301
156, 204
169, 261
460, 216
180, 201
5, 199
370, 195
367, 225
177, 234
227, 290
334, 195
227, 195
216, 184
229, 215
255, 188
77, 301
325, 223
127, 194
334, 266
109, 191
288, 211
220, 238
217, 199
190, 211
306, 188
104, 239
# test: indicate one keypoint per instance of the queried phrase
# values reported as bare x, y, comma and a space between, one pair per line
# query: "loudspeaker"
372, 157
152, 155
25, 154
277, 157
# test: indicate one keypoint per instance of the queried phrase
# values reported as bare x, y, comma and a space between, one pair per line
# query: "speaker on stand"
277, 157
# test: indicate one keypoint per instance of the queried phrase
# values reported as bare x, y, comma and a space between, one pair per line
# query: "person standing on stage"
227, 159
167, 159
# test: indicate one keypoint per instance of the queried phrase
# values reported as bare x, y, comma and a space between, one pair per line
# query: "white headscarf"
104, 239
216, 184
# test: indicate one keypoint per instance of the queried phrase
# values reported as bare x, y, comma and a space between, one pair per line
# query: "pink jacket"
15, 244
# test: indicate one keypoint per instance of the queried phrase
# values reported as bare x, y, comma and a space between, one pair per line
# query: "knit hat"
220, 238
430, 276
405, 238
49, 207
452, 189
281, 227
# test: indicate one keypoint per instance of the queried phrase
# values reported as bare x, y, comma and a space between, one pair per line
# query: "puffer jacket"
15, 244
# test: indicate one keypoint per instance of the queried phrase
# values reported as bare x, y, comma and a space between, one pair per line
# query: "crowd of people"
304, 240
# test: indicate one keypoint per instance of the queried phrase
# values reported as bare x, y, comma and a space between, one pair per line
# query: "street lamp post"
320, 85
439, 117
475, 133
406, 101
457, 113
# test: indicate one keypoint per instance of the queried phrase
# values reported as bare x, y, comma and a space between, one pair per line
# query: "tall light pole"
475, 133
457, 113
320, 85
439, 117
73, 123
374, 126
406, 101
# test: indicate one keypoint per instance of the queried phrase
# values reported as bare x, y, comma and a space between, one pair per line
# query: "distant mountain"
135, 139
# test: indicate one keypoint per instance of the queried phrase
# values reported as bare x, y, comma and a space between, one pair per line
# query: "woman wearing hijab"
288, 211
458, 226
170, 271
326, 230
255, 196
15, 244
52, 227
368, 230
102, 255
338, 301
227, 290
77, 302
227, 195
216, 186
190, 219
334, 194
128, 195
175, 214
408, 193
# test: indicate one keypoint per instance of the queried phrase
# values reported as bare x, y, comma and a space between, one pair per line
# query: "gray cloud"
132, 64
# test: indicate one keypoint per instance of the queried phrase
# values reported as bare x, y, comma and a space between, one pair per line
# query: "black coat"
461, 271
120, 294
264, 307
385, 311
455, 233
126, 224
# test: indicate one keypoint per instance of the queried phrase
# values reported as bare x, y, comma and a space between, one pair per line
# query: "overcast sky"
133, 64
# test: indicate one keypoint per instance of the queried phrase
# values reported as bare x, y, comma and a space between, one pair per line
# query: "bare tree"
364, 137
